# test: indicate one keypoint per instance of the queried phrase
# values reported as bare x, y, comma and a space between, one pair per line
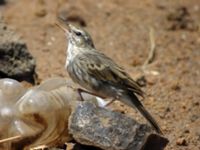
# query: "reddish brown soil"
121, 30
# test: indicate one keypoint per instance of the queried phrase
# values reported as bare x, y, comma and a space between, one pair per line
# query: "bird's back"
97, 67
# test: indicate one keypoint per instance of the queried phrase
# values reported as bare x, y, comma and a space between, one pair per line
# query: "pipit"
99, 74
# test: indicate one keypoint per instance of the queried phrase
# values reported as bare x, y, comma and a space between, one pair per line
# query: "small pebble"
186, 131
181, 141
41, 13
151, 80
196, 103
196, 8
164, 128
184, 105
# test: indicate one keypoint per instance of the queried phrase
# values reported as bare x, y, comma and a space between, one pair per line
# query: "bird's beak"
65, 29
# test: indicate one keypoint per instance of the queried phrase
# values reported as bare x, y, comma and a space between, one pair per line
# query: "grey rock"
15, 60
100, 127
2, 2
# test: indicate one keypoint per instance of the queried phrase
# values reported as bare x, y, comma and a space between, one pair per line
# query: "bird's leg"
41, 147
79, 93
84, 91
110, 102
113, 99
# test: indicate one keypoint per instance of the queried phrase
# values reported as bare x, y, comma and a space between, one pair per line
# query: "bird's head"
77, 36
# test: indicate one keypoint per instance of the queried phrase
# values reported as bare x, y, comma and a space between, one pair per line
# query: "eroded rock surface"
15, 60
92, 125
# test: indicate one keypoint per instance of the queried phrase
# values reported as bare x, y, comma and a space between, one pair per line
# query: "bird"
98, 74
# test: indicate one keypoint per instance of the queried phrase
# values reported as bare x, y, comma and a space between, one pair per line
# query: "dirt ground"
121, 29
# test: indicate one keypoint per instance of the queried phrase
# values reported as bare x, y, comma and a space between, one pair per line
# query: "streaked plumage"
99, 74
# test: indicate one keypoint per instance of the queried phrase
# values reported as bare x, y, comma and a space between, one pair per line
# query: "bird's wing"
101, 67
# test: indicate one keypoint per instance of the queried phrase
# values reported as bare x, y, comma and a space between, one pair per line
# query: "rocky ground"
121, 30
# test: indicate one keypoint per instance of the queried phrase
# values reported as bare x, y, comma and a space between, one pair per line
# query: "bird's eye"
78, 33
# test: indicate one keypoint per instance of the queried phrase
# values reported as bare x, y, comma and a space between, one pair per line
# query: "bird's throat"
72, 51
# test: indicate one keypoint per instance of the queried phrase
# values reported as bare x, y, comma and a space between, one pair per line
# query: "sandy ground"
120, 29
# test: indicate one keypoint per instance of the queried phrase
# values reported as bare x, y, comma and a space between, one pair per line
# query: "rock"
100, 127
15, 60
2, 2
181, 19
41, 12
181, 141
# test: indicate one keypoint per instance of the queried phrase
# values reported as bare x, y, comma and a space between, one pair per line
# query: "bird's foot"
80, 91
41, 147
110, 102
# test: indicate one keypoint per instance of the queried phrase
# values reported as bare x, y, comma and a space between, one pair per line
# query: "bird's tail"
133, 100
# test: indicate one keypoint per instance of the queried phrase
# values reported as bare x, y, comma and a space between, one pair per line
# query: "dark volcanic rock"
2, 2
181, 19
91, 125
15, 60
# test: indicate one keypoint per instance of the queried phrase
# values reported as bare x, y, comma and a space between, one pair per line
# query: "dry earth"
121, 30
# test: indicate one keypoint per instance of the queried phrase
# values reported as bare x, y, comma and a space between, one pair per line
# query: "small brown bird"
99, 74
